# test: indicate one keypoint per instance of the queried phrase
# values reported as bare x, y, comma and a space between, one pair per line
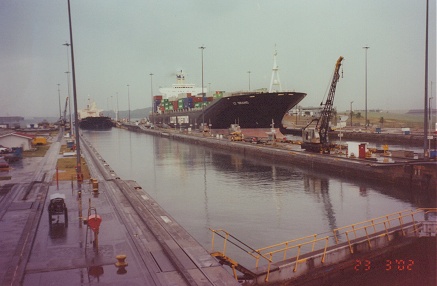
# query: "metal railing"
296, 248
301, 245
380, 224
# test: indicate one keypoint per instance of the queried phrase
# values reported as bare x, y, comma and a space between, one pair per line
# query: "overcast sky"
117, 43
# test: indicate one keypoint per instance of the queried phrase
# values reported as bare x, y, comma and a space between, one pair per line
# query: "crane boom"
316, 139
325, 117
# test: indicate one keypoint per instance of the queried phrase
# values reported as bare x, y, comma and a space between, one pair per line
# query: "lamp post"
365, 124
76, 121
69, 103
430, 136
128, 102
112, 105
151, 96
59, 95
425, 119
68, 89
351, 112
249, 79
116, 114
203, 95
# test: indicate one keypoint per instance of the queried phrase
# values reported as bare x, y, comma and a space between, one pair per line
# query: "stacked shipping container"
185, 101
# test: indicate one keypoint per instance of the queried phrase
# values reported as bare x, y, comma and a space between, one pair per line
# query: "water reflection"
254, 199
320, 188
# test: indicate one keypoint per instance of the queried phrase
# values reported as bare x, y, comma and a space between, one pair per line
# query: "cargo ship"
91, 118
258, 113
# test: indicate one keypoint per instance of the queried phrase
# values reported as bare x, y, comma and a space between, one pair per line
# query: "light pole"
351, 112
116, 114
68, 87
430, 136
128, 102
203, 95
112, 105
365, 124
249, 79
425, 119
69, 102
151, 96
59, 95
76, 120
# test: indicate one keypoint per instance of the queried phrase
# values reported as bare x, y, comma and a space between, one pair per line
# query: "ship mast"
275, 81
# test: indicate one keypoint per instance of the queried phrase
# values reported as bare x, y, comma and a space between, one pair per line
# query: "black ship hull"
249, 110
96, 123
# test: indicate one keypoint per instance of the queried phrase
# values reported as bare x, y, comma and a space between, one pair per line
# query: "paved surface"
158, 250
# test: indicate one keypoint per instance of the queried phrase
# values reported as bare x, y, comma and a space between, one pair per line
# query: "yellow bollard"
95, 185
121, 260
121, 264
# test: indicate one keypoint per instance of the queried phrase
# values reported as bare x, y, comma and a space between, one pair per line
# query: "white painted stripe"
165, 219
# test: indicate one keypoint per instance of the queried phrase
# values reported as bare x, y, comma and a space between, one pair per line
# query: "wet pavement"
68, 252
62, 250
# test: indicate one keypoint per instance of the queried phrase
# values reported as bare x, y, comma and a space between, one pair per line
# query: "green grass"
38, 151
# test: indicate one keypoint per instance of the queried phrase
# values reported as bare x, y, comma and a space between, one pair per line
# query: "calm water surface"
261, 202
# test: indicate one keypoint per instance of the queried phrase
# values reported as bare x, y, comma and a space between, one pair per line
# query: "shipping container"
175, 105
197, 99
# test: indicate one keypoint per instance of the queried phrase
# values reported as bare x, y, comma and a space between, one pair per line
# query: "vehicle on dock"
4, 150
236, 136
316, 139
39, 140
57, 207
16, 154
4, 166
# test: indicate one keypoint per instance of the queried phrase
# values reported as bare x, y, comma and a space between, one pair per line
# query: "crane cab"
310, 135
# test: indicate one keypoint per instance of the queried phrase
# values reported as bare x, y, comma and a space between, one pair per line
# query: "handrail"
226, 239
375, 221
358, 230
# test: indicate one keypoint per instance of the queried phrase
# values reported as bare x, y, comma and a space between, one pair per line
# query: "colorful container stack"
186, 102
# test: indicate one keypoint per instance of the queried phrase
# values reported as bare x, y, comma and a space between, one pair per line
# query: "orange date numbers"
363, 265
399, 265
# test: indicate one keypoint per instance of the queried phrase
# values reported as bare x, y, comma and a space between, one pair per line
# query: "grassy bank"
67, 169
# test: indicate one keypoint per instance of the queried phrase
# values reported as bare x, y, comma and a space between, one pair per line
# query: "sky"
121, 42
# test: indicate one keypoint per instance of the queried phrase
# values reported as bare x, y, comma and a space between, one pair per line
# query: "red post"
57, 177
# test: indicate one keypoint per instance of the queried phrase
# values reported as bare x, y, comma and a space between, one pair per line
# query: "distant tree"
358, 115
381, 120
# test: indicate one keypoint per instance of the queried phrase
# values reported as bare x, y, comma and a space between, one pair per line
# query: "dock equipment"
316, 139
296, 257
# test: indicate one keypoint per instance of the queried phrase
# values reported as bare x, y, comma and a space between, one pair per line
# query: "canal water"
258, 201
